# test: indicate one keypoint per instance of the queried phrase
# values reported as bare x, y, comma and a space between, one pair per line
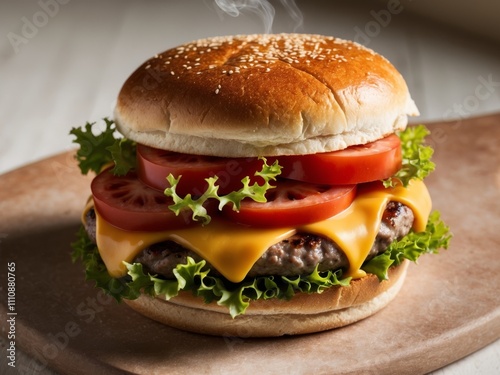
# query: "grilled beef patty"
296, 255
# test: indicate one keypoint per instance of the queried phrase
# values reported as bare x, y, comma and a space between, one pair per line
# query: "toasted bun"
304, 313
263, 95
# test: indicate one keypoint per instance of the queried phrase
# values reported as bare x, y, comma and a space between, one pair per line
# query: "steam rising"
263, 9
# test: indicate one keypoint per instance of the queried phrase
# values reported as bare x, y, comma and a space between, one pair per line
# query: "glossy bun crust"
262, 95
304, 313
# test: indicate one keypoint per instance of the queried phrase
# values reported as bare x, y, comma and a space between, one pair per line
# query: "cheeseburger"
262, 185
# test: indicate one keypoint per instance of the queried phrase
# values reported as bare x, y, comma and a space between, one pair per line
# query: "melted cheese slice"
233, 249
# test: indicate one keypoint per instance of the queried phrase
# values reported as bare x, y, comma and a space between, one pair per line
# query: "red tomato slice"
294, 203
155, 165
128, 204
356, 164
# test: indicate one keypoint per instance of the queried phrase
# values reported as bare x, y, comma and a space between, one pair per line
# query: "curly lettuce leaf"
255, 192
379, 265
195, 277
416, 157
436, 236
98, 150
123, 154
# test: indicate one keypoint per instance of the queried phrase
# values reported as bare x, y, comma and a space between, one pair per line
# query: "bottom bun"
304, 313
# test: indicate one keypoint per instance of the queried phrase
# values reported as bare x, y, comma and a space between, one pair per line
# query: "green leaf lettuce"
96, 151
416, 156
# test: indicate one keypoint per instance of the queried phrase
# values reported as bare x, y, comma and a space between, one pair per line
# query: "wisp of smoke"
263, 9
294, 12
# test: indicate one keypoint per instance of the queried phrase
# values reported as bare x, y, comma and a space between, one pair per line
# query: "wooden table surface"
62, 63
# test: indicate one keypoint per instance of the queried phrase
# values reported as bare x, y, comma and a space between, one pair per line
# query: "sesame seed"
258, 52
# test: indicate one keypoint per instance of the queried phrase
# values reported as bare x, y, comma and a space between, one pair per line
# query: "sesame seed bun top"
263, 95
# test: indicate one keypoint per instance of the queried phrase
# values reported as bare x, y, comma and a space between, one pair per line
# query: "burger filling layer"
233, 250
299, 254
